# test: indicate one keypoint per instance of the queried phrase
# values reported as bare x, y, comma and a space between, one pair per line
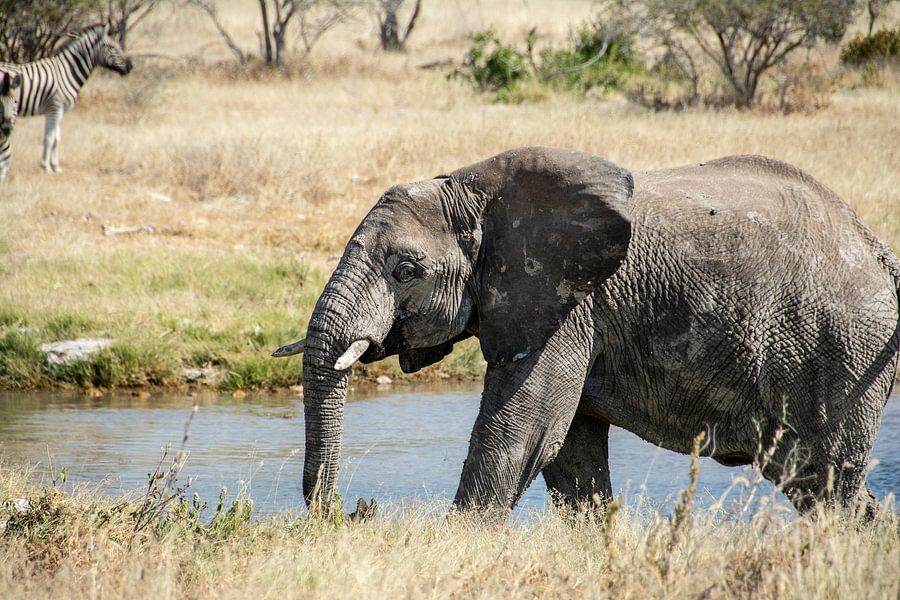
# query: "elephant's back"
764, 223
747, 282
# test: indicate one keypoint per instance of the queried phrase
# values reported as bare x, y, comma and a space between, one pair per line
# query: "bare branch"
412, 22
210, 9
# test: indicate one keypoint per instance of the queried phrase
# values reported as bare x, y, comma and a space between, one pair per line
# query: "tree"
31, 30
211, 10
873, 9
313, 17
744, 39
389, 24
317, 17
124, 15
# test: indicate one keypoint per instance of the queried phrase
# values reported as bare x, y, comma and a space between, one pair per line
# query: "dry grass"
269, 175
74, 546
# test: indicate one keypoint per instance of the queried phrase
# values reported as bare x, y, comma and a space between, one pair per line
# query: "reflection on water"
400, 444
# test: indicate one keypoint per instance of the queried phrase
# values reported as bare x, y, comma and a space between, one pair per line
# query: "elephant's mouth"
393, 344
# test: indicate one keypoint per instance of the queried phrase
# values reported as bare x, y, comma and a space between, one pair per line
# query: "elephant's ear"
556, 225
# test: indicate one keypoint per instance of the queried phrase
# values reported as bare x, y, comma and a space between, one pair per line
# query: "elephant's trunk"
351, 313
325, 390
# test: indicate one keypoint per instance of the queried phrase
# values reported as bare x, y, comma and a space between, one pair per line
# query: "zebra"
9, 105
50, 85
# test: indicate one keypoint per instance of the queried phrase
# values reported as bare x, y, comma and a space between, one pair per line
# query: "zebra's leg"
54, 153
5, 154
54, 115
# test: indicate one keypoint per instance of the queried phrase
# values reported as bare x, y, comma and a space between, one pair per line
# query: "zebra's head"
9, 101
109, 54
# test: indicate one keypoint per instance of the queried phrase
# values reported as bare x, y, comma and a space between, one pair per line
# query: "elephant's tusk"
290, 349
356, 349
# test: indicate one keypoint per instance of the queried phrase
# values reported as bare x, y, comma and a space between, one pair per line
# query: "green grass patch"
121, 365
65, 326
262, 371
10, 316
167, 312
20, 359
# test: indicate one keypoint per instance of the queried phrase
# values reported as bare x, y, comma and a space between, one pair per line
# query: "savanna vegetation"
205, 199
60, 543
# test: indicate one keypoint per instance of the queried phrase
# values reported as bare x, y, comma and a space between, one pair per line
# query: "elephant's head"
502, 249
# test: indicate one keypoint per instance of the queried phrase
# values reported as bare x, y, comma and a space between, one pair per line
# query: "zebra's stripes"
50, 86
9, 105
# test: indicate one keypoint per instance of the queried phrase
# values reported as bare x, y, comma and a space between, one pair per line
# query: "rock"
160, 197
112, 230
297, 389
240, 199
69, 351
205, 375
384, 380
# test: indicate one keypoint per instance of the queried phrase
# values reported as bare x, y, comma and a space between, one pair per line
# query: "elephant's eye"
405, 271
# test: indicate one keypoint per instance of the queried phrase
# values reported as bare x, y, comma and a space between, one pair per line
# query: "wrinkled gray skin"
718, 297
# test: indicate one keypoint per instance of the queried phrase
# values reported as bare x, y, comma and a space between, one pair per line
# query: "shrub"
31, 30
883, 45
600, 57
493, 65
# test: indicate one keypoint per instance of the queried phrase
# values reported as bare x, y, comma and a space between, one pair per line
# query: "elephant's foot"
578, 478
810, 484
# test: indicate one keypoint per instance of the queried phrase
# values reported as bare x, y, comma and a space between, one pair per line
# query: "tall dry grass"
56, 545
268, 175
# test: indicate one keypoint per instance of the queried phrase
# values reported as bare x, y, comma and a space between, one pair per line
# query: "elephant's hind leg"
829, 484
581, 468
831, 472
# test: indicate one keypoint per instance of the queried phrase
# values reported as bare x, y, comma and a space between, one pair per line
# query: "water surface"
401, 443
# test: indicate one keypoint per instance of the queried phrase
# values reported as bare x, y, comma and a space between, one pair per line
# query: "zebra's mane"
92, 31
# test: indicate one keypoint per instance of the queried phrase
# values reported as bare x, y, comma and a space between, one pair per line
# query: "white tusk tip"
356, 349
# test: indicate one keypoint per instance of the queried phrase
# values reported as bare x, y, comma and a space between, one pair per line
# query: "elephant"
738, 297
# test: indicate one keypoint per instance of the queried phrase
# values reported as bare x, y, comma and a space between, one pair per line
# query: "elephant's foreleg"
581, 469
526, 410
